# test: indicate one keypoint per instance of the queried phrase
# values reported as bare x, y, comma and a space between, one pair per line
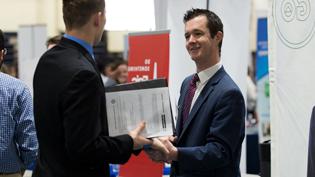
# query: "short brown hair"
76, 13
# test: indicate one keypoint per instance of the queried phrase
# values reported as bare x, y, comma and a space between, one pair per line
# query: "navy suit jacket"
311, 148
209, 144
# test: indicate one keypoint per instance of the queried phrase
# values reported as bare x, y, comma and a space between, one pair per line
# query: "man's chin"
195, 58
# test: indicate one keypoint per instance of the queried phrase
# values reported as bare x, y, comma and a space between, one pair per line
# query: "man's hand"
157, 152
173, 153
138, 140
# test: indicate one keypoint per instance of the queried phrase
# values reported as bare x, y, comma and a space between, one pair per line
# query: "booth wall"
15, 13
291, 71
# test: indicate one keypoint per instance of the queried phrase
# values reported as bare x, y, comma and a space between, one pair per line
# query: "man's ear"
219, 36
97, 18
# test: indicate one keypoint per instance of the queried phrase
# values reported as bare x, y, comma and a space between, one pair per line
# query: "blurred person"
113, 71
18, 142
4, 69
69, 102
251, 95
211, 112
122, 69
53, 41
110, 73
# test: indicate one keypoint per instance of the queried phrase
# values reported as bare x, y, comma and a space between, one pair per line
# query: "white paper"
126, 109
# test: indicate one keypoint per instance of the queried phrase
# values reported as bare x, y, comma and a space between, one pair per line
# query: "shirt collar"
206, 74
84, 44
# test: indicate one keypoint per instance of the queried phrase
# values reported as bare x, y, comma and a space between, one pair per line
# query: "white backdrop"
31, 40
235, 15
292, 84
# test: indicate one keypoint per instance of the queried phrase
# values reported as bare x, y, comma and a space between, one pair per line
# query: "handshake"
159, 149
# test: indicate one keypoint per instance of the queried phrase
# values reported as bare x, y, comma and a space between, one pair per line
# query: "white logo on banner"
294, 21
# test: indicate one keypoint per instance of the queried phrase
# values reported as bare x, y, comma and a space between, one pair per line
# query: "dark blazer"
209, 144
70, 116
311, 147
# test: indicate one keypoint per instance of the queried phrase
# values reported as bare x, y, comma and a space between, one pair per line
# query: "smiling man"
210, 125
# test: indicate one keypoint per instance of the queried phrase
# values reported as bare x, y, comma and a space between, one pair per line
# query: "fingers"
139, 128
154, 155
158, 145
173, 139
144, 141
138, 140
173, 153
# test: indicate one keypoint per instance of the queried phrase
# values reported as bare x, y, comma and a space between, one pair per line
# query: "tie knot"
195, 79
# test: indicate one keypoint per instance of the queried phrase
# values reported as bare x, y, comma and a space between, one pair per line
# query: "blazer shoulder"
228, 83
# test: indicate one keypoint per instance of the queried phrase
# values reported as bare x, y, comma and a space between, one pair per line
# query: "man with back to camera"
18, 142
211, 110
69, 102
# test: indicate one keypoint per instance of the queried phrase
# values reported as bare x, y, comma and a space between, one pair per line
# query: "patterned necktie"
188, 98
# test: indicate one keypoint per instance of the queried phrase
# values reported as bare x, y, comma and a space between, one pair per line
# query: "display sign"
148, 56
148, 59
262, 78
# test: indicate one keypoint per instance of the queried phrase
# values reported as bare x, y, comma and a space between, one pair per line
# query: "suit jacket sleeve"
224, 137
86, 139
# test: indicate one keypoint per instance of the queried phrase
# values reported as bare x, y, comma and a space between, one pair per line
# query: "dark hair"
1, 40
119, 61
53, 40
214, 22
76, 13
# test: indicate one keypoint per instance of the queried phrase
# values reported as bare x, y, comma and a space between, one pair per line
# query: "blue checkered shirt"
18, 141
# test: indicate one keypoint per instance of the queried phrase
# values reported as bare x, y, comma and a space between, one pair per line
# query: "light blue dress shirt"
18, 141
84, 44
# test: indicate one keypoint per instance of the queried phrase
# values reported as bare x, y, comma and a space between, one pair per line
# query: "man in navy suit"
311, 148
210, 125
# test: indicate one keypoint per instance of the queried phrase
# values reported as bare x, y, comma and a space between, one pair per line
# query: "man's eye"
198, 34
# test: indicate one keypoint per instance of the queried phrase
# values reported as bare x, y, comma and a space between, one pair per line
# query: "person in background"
113, 71
53, 41
70, 104
252, 116
18, 141
122, 69
211, 112
108, 71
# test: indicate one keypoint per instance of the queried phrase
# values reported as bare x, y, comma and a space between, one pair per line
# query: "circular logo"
294, 21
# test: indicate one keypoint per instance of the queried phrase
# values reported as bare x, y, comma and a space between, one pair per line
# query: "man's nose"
191, 39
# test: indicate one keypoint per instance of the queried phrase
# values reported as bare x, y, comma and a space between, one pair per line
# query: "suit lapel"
180, 107
207, 90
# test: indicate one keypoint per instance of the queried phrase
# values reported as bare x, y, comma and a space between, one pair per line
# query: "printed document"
127, 108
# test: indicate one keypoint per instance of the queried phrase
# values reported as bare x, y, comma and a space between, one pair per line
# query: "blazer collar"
72, 44
201, 99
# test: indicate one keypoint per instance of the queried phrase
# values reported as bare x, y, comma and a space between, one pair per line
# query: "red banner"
148, 56
148, 59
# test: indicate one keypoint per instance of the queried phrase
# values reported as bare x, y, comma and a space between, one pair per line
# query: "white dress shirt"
204, 77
